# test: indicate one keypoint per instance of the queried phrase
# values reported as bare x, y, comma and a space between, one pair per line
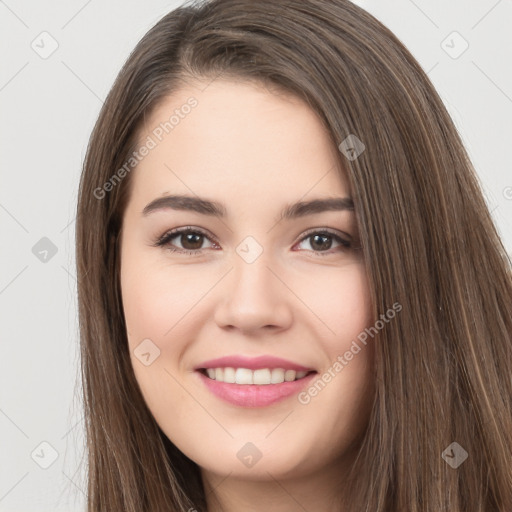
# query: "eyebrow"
215, 209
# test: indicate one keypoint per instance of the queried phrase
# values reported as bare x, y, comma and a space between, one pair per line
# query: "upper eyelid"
191, 229
172, 233
330, 231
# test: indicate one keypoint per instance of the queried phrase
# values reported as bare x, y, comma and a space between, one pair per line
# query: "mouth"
259, 377
243, 387
253, 381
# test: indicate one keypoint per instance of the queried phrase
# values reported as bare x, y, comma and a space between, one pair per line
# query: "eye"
190, 238
321, 241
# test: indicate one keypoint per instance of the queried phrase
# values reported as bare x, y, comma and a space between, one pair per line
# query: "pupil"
324, 245
192, 239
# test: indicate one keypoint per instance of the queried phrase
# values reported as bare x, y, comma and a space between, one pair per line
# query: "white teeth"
289, 375
229, 375
277, 376
262, 376
243, 376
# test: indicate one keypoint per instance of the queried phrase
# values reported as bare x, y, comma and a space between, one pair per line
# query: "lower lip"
254, 395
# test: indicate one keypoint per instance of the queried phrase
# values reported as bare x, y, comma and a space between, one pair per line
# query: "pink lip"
252, 363
253, 395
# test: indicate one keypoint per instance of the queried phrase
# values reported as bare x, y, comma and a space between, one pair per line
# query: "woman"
291, 292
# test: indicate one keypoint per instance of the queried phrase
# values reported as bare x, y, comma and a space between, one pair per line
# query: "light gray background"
48, 108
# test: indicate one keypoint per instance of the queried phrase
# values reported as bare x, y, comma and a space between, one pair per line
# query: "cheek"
353, 308
157, 298
168, 305
345, 387
157, 307
339, 299
349, 314
151, 306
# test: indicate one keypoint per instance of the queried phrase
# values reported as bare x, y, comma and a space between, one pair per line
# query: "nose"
254, 297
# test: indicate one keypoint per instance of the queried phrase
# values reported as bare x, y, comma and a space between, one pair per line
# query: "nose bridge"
254, 296
252, 279
251, 269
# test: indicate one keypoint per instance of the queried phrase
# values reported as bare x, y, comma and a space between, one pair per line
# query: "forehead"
232, 139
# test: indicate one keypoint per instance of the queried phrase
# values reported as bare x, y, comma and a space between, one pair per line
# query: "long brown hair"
443, 366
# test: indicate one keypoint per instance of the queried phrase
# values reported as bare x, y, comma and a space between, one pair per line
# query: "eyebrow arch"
213, 208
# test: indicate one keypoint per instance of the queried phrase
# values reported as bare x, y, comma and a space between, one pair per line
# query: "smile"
247, 392
261, 377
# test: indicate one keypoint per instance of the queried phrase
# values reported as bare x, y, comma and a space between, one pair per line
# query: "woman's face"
246, 284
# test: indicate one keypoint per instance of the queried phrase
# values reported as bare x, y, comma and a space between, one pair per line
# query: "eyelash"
164, 240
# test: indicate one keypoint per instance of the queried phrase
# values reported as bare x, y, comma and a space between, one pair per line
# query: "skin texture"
253, 151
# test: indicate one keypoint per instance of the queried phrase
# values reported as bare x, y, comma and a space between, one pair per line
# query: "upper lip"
252, 363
